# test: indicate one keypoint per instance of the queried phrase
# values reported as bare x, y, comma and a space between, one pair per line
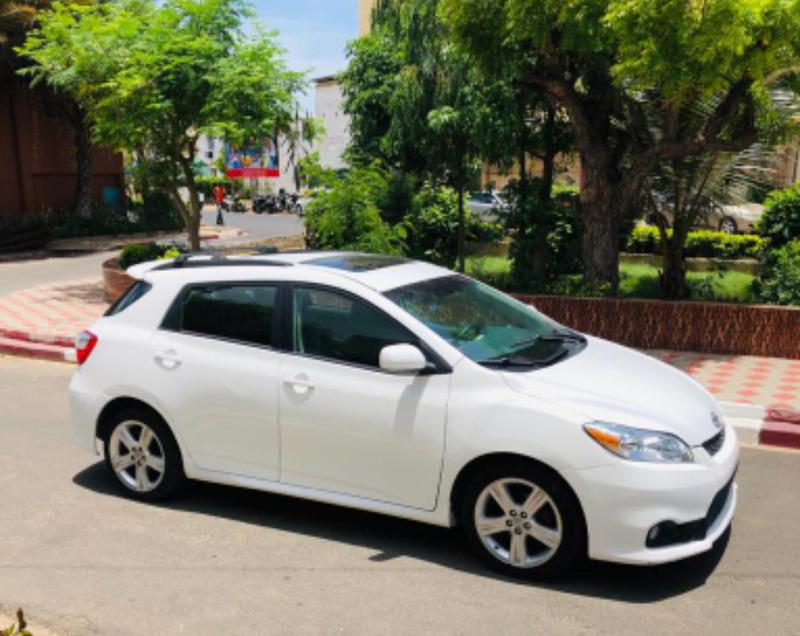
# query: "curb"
762, 425
30, 349
39, 338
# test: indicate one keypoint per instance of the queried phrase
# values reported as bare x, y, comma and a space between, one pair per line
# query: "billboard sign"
252, 161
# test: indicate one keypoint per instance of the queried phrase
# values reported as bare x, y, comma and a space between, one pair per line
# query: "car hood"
611, 383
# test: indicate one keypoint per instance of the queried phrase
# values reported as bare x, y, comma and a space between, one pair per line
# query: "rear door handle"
168, 359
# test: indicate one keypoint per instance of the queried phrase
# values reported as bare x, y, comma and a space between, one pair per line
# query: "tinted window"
131, 295
336, 326
235, 312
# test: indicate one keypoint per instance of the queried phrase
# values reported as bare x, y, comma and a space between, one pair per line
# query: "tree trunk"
673, 276
461, 226
84, 165
600, 228
192, 217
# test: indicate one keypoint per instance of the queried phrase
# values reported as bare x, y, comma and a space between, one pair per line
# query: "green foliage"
20, 628
546, 234
346, 216
152, 76
312, 174
368, 84
780, 278
142, 252
702, 243
780, 223
432, 226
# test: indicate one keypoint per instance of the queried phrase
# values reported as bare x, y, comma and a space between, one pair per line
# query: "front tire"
523, 520
143, 456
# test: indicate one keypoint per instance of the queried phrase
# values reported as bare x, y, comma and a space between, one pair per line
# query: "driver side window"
332, 325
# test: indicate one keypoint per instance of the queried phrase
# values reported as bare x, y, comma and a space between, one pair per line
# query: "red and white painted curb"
764, 425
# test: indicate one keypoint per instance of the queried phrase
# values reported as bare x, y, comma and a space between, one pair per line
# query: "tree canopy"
613, 64
153, 76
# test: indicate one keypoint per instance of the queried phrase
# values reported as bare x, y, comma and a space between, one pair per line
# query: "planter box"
115, 280
759, 330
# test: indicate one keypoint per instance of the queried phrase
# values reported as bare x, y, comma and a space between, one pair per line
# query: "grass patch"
636, 280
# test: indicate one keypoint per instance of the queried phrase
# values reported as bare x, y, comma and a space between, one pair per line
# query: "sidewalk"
760, 395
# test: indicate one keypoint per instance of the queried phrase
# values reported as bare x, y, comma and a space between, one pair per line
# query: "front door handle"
168, 359
300, 385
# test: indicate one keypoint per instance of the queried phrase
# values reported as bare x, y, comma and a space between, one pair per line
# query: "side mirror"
402, 358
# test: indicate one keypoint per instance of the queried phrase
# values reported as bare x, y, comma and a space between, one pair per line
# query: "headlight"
638, 444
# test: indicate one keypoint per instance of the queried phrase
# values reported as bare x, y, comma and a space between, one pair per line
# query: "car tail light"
84, 345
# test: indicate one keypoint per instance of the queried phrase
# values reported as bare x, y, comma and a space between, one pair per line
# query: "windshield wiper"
556, 336
563, 336
515, 361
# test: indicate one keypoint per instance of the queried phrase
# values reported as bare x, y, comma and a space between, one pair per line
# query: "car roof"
376, 271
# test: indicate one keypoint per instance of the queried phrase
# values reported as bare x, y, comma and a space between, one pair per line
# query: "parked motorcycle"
233, 204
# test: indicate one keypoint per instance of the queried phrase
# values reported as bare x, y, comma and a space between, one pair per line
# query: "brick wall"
681, 326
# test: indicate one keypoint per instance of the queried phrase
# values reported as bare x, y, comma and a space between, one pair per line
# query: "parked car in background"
731, 219
399, 387
486, 204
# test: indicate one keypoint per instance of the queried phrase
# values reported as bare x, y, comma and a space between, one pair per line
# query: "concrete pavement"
81, 559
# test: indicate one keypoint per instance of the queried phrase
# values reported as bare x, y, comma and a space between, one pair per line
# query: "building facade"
37, 156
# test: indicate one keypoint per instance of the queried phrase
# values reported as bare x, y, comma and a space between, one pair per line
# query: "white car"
398, 387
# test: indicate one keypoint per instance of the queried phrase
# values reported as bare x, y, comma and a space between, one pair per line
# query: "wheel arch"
123, 403
475, 465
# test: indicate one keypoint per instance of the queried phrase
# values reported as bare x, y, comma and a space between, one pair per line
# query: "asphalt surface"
257, 226
29, 272
81, 559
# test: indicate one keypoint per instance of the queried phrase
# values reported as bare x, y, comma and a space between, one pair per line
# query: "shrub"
546, 236
779, 283
142, 252
346, 216
432, 226
702, 243
780, 223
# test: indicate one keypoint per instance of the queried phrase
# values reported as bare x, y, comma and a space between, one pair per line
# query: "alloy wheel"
518, 522
137, 456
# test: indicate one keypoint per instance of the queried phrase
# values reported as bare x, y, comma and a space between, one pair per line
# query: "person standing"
219, 197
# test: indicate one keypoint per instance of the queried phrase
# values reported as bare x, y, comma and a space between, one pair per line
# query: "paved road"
83, 560
258, 226
16, 275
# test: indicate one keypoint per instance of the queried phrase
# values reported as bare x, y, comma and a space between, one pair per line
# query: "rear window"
131, 295
243, 313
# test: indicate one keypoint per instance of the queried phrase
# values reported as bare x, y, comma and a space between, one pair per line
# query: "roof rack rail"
204, 259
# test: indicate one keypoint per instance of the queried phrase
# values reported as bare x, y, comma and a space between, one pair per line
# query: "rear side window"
131, 295
235, 312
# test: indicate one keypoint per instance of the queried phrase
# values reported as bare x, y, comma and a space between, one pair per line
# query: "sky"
314, 34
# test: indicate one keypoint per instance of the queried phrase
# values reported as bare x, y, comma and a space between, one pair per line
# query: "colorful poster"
253, 161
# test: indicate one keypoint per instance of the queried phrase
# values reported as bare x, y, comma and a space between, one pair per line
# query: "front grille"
713, 444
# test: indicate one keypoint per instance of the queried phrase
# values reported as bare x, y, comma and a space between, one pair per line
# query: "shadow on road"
392, 538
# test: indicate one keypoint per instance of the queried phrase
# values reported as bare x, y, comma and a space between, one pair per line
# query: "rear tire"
523, 520
142, 455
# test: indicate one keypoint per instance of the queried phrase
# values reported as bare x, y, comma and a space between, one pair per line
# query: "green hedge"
703, 243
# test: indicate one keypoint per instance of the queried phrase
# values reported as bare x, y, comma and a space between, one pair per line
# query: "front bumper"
624, 500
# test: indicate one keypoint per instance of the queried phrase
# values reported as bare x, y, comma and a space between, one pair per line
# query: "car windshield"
483, 323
